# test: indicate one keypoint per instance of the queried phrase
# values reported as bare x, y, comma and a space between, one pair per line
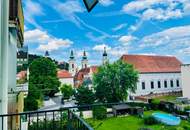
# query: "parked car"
46, 98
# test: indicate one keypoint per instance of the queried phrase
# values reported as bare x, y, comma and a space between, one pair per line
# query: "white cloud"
36, 36
32, 9
100, 47
45, 41
157, 9
55, 44
106, 2
119, 27
125, 40
175, 35
68, 10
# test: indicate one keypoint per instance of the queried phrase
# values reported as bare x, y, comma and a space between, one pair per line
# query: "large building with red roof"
65, 77
157, 74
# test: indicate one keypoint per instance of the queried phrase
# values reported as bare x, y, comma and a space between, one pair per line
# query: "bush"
187, 108
150, 121
186, 127
145, 129
155, 104
99, 112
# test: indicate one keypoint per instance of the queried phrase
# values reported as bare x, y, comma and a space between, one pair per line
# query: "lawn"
129, 123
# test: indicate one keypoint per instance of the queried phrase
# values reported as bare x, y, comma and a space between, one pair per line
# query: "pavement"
55, 103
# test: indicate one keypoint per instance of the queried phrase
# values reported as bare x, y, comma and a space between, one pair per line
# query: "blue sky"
149, 27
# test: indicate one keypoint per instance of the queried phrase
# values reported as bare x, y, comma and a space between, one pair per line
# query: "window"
152, 85
177, 82
143, 85
171, 83
159, 84
165, 84
72, 65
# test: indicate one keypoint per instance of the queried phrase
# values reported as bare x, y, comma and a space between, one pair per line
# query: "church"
157, 74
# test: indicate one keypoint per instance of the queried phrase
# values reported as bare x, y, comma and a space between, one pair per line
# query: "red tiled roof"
153, 64
80, 75
63, 74
22, 74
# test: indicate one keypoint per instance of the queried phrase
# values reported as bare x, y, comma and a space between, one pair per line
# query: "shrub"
145, 129
186, 127
99, 112
155, 104
150, 121
187, 108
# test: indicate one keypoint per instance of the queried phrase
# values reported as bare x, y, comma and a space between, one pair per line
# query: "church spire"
105, 57
84, 55
84, 60
72, 55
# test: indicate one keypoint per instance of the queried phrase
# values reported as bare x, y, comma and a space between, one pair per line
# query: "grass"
129, 123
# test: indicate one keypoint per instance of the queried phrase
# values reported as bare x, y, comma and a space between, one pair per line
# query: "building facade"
65, 77
157, 74
185, 75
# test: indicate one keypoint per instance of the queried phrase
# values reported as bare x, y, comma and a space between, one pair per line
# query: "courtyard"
133, 123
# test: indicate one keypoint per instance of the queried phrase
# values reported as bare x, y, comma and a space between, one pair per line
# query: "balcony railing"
61, 119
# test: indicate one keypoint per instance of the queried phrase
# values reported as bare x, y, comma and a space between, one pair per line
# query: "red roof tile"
153, 64
22, 74
80, 75
63, 74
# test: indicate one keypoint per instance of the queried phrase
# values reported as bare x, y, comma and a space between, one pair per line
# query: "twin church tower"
84, 62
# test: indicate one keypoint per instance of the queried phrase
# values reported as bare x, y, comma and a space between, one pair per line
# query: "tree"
67, 91
43, 75
112, 82
43, 81
84, 95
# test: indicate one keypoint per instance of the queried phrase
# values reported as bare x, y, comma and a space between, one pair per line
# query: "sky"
148, 27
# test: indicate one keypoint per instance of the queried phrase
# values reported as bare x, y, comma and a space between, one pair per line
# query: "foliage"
187, 108
112, 82
150, 120
84, 95
43, 81
43, 75
145, 128
67, 91
155, 104
30, 104
99, 112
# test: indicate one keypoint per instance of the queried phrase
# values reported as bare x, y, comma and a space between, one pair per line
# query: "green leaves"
113, 81
84, 96
67, 91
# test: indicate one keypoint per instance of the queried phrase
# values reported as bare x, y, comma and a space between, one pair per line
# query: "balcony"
16, 18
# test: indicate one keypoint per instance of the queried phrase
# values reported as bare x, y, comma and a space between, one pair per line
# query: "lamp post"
4, 17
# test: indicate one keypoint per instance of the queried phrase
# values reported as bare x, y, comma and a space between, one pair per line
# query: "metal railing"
60, 119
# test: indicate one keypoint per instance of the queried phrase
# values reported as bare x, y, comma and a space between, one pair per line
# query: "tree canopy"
112, 82
67, 91
43, 75
84, 95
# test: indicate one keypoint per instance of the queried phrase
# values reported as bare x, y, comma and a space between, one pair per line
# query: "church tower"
47, 54
72, 63
84, 60
105, 57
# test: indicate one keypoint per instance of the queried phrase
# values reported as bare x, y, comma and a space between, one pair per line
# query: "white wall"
185, 72
68, 81
155, 77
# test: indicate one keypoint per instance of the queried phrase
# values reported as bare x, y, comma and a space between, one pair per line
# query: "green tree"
84, 95
67, 91
43, 81
112, 82
43, 75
